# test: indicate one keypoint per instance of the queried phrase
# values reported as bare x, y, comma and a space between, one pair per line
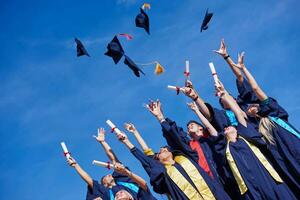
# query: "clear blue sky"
48, 95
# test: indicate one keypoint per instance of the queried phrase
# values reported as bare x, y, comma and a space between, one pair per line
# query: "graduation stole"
238, 177
285, 125
201, 192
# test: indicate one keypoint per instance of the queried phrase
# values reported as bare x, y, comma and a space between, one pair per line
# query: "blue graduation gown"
259, 182
159, 178
222, 174
98, 190
287, 149
121, 182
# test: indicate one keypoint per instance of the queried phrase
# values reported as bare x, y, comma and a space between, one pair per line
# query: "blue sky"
48, 95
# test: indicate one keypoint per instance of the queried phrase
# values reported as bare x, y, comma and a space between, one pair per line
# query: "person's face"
107, 180
123, 195
164, 155
253, 109
231, 133
195, 130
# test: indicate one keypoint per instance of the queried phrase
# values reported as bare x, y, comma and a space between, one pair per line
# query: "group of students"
246, 150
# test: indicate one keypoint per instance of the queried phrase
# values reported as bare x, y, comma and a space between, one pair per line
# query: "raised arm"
222, 93
137, 179
223, 52
85, 176
109, 152
131, 128
255, 87
212, 131
190, 92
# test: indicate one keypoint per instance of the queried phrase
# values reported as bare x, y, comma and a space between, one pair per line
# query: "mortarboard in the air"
115, 50
80, 48
142, 20
206, 20
133, 66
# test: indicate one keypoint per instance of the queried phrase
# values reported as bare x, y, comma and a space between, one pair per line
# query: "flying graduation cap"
206, 20
136, 70
116, 52
142, 20
80, 48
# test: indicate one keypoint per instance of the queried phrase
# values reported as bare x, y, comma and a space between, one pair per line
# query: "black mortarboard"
142, 20
133, 66
115, 50
206, 20
80, 48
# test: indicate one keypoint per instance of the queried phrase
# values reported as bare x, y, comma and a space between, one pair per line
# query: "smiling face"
123, 195
164, 155
195, 130
231, 133
108, 180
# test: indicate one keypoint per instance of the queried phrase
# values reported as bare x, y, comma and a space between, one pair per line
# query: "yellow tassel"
146, 6
158, 69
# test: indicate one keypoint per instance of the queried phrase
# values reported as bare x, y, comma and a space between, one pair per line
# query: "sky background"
48, 95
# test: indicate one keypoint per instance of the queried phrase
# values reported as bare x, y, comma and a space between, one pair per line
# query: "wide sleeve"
270, 107
246, 93
219, 146
219, 119
98, 190
250, 134
155, 170
172, 133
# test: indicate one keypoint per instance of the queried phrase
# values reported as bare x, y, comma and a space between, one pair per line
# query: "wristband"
226, 57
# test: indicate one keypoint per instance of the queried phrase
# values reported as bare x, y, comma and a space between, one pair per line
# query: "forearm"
137, 179
203, 108
237, 72
84, 175
255, 87
140, 140
128, 144
109, 152
235, 108
207, 124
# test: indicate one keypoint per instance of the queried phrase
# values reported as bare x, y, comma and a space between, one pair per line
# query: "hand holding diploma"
66, 152
114, 128
108, 165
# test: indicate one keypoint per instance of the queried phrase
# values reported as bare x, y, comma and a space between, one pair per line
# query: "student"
282, 138
256, 177
174, 170
110, 184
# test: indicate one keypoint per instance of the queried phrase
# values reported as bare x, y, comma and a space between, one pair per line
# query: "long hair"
266, 129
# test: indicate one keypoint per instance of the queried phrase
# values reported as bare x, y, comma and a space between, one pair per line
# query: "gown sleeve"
270, 107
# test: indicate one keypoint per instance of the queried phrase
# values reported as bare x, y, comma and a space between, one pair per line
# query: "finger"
94, 136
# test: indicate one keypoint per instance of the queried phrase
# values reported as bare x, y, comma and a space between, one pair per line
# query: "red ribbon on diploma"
108, 165
186, 73
177, 90
65, 154
113, 129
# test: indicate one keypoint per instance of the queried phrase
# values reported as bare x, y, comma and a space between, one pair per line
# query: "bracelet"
195, 99
226, 57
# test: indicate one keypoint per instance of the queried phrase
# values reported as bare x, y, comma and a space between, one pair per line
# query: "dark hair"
193, 121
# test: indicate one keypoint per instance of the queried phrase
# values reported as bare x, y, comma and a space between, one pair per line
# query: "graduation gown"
98, 190
260, 184
160, 180
122, 183
287, 149
285, 155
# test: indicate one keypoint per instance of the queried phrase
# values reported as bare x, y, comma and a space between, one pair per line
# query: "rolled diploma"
113, 127
66, 152
213, 72
171, 87
102, 164
187, 67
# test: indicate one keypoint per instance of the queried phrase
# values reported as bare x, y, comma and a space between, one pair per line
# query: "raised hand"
240, 63
220, 90
222, 50
101, 135
129, 127
71, 161
193, 106
121, 169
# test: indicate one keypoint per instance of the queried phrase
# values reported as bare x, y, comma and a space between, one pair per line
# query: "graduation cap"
136, 70
115, 50
142, 21
80, 48
206, 20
